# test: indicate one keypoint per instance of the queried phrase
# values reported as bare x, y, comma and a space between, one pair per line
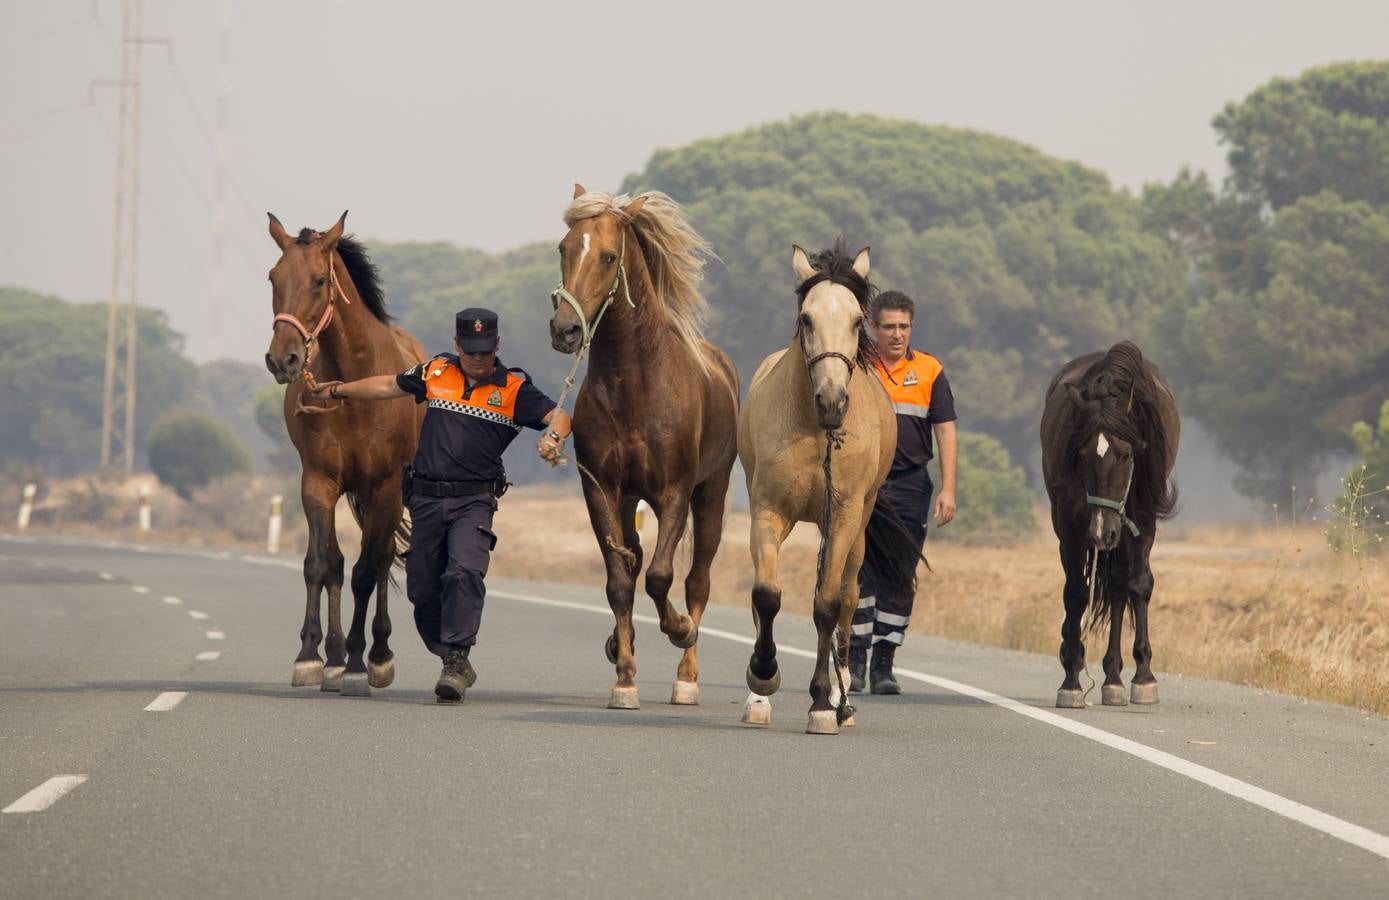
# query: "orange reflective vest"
444, 389
909, 383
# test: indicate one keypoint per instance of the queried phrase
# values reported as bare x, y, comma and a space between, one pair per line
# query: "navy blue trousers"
451, 541
883, 617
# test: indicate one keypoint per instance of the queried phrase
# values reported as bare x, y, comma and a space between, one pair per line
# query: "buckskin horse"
344, 448
816, 444
1109, 440
654, 418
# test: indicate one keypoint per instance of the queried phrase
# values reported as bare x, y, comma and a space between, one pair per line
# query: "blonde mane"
675, 255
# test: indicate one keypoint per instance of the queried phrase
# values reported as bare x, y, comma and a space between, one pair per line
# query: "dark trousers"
884, 617
451, 541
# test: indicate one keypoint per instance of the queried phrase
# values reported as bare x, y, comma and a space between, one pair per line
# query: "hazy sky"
468, 122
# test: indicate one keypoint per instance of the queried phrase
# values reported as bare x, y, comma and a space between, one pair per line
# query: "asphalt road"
969, 784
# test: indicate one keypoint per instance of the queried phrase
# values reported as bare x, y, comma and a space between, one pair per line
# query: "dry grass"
1268, 607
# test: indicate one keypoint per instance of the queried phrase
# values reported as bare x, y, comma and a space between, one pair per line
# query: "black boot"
858, 668
880, 677
457, 676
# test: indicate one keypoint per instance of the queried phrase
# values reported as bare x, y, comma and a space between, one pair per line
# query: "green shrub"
187, 450
993, 500
1360, 515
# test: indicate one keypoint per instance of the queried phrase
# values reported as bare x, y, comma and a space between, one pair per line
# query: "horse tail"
890, 553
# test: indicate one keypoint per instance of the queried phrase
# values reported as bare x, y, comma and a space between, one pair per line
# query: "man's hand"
321, 390
945, 507
549, 449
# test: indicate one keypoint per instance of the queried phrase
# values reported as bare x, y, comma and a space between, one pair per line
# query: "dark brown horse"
1109, 440
654, 419
330, 319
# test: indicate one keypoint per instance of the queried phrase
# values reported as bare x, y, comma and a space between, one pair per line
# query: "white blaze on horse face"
579, 267
1102, 447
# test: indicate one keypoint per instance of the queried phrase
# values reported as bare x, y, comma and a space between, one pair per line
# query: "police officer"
477, 406
919, 390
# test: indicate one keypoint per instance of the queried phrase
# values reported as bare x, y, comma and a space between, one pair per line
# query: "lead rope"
834, 440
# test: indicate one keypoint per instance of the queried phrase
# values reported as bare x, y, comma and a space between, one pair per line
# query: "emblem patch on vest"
494, 398
910, 378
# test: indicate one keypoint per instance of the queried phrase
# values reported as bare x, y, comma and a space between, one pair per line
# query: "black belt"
418, 485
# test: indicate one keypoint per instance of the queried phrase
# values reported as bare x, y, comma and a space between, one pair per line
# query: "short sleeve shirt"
467, 427
921, 395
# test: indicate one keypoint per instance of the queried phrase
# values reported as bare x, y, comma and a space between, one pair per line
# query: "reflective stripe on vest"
909, 386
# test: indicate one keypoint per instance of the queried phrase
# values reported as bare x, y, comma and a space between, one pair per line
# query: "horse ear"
631, 210
861, 263
579, 190
331, 236
278, 233
800, 264
1074, 393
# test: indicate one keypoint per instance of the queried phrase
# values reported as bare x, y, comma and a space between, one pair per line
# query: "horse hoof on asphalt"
684, 693
332, 678
1072, 698
822, 721
1143, 693
849, 722
764, 686
691, 635
610, 648
355, 684
381, 675
307, 672
624, 698
1114, 695
757, 711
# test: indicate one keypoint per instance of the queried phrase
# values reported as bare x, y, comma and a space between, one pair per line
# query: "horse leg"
832, 615
334, 643
614, 517
1144, 687
769, 529
319, 497
1069, 695
378, 550
1116, 590
848, 606
380, 660
671, 511
707, 507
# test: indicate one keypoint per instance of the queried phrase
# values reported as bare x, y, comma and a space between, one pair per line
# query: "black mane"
836, 265
360, 269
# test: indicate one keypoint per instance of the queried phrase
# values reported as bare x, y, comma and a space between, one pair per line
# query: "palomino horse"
655, 415
345, 448
803, 400
1109, 440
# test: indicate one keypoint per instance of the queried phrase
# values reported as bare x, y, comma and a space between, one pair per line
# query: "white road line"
1349, 832
139, 589
193, 613
208, 655
106, 576
166, 701
45, 795
216, 635
172, 601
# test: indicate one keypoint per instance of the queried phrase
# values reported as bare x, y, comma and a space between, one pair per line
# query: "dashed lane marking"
166, 701
45, 795
172, 601
139, 589
208, 655
216, 635
193, 613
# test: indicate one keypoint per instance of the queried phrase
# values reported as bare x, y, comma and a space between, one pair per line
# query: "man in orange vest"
916, 383
477, 406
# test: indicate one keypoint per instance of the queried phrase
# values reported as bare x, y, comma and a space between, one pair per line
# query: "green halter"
1117, 505
562, 293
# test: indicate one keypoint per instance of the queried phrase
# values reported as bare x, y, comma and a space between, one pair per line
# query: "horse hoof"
1113, 695
1143, 693
690, 637
332, 678
757, 711
610, 648
624, 698
307, 672
355, 684
1072, 698
822, 721
684, 693
848, 723
381, 675
764, 686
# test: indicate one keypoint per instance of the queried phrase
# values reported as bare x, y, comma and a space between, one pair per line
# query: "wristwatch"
555, 436
333, 392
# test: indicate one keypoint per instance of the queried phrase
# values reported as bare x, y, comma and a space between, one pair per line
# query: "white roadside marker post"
144, 507
272, 537
642, 506
26, 505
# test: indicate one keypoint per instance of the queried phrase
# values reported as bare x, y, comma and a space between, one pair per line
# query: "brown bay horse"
816, 445
331, 323
654, 419
1110, 431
